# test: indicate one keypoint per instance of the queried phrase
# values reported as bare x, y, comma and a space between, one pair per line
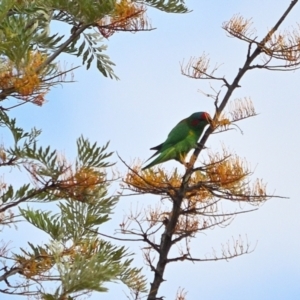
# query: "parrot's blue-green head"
198, 118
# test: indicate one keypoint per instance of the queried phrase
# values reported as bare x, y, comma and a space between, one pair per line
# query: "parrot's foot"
187, 165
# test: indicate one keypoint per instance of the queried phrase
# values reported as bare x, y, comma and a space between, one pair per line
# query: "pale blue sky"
138, 112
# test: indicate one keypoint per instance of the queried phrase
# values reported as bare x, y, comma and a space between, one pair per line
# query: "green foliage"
26, 30
44, 221
25, 27
74, 228
18, 133
90, 274
84, 11
74, 254
75, 219
89, 49
91, 155
170, 6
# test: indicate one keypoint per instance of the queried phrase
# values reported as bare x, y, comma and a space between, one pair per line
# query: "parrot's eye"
205, 116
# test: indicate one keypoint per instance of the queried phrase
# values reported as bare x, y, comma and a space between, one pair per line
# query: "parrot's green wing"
176, 135
170, 153
179, 141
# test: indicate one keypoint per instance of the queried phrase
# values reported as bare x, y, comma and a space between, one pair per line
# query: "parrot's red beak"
208, 118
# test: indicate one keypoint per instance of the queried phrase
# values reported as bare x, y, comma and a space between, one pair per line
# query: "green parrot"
182, 138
